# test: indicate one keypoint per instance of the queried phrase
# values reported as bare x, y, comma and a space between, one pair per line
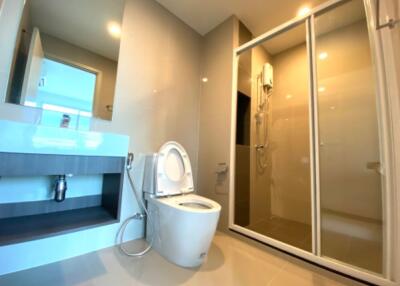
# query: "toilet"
184, 223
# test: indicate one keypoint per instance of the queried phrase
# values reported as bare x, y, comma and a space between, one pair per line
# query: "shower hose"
121, 231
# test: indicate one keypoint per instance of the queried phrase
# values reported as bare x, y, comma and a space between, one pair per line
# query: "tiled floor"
231, 261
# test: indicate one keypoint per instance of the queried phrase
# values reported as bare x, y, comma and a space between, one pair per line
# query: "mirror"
65, 59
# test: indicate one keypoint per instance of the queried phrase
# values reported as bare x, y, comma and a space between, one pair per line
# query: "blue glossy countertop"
18, 137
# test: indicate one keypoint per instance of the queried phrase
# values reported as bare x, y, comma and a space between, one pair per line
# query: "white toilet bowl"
184, 223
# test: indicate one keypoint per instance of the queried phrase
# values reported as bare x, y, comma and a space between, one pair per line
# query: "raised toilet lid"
174, 172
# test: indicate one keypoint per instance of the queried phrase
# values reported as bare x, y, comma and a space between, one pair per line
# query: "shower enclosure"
310, 142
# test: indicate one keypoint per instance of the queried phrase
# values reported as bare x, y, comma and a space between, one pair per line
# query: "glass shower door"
349, 151
309, 168
272, 170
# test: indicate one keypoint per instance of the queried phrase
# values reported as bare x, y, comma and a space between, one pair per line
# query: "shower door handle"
391, 23
375, 166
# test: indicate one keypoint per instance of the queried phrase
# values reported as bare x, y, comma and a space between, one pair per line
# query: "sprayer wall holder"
23, 221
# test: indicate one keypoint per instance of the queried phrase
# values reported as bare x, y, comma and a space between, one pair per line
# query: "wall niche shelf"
24, 221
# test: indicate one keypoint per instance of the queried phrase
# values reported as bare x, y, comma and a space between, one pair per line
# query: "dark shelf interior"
23, 221
243, 119
18, 229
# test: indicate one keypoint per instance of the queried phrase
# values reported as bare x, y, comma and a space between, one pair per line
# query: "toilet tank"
150, 164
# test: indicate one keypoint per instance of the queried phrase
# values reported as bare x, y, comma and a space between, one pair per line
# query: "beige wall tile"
215, 109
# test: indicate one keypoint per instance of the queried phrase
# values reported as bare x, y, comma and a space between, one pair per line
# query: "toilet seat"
190, 203
173, 171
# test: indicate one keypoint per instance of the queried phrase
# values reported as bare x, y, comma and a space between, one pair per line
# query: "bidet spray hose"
121, 231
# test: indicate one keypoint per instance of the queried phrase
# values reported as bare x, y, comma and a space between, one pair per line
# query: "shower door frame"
388, 147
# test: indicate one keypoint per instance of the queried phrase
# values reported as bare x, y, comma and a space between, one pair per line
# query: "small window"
67, 89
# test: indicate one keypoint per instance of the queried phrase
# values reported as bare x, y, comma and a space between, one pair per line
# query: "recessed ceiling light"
204, 79
114, 29
289, 96
323, 56
321, 89
303, 11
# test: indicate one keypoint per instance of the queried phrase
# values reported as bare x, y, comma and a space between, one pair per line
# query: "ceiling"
342, 16
83, 22
80, 22
258, 15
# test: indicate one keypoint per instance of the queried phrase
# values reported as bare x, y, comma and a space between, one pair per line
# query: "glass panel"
272, 183
350, 179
